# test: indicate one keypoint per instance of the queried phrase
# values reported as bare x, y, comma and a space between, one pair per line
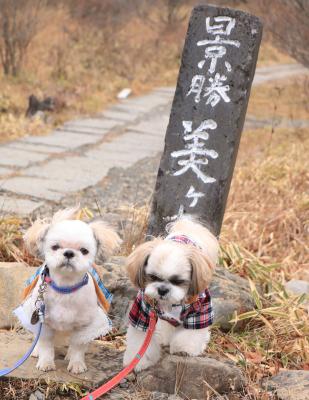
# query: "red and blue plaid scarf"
197, 315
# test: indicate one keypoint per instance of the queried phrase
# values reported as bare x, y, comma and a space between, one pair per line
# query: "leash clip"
38, 313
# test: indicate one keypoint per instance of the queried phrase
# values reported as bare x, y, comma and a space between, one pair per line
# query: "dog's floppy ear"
107, 239
137, 261
202, 270
34, 237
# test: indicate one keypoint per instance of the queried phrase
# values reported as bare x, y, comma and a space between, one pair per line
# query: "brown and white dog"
69, 248
173, 274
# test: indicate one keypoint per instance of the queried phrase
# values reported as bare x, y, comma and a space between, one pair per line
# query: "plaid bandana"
197, 315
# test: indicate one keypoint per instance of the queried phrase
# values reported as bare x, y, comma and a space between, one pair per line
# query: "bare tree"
18, 26
162, 14
287, 22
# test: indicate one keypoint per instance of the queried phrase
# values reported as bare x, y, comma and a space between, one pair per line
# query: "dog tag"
35, 317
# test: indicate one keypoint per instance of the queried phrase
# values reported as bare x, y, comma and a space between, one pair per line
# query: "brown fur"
136, 262
202, 271
108, 240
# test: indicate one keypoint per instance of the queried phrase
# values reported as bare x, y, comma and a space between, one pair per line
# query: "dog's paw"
46, 365
77, 367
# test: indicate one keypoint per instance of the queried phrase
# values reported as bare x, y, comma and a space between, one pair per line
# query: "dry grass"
287, 98
267, 210
74, 63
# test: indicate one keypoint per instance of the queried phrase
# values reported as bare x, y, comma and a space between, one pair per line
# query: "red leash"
122, 374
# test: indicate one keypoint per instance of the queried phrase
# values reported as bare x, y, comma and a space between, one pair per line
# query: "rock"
189, 375
207, 117
37, 395
115, 279
290, 385
297, 287
103, 361
229, 292
12, 282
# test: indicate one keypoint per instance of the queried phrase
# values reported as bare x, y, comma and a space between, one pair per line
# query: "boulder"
12, 282
192, 377
290, 385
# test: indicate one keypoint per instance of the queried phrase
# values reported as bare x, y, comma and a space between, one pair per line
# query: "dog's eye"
155, 278
55, 247
84, 251
177, 282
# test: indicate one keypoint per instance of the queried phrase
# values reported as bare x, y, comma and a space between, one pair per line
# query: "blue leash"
37, 316
25, 357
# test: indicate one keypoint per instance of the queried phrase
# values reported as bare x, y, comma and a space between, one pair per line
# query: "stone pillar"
207, 117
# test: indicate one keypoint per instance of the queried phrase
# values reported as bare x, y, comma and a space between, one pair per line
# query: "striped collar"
182, 239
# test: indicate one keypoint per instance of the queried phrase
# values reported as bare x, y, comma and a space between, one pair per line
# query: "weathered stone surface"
102, 360
155, 125
19, 158
229, 293
12, 282
188, 375
11, 205
30, 186
63, 139
5, 171
37, 148
207, 116
297, 286
83, 129
290, 385
115, 278
96, 123
120, 116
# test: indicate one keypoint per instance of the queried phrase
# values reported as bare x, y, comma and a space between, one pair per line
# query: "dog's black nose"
162, 290
68, 254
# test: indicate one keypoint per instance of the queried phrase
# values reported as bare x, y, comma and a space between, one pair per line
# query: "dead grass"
286, 98
84, 71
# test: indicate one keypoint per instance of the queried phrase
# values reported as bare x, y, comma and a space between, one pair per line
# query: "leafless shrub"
18, 25
286, 23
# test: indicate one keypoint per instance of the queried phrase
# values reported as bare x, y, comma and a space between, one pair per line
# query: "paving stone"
11, 205
122, 117
5, 171
145, 103
12, 277
82, 172
156, 125
36, 148
19, 158
103, 362
35, 187
83, 129
63, 139
97, 123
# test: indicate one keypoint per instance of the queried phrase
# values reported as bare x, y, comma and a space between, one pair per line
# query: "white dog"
69, 247
173, 275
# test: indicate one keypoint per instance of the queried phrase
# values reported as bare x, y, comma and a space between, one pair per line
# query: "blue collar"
63, 289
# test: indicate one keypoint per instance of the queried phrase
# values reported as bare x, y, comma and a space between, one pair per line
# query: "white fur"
167, 260
77, 314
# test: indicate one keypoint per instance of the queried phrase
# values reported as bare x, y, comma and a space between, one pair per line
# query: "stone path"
38, 170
